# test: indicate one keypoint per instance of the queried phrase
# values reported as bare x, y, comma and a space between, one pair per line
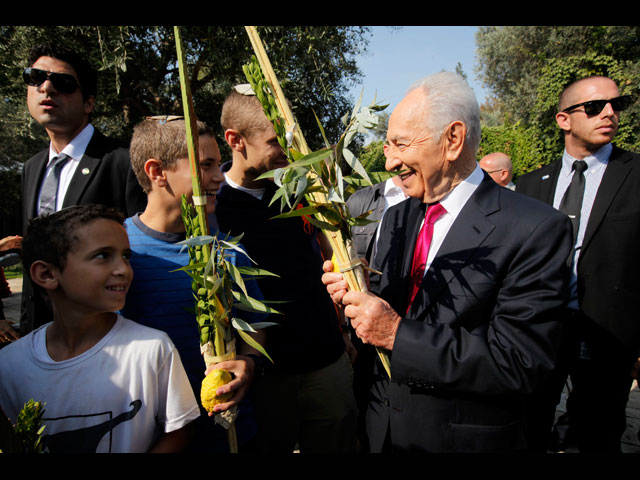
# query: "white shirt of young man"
254, 192
393, 195
117, 397
74, 150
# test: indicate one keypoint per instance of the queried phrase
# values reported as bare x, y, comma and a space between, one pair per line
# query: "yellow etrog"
210, 384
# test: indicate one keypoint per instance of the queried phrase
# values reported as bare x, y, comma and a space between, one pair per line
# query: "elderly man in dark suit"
469, 293
81, 165
598, 186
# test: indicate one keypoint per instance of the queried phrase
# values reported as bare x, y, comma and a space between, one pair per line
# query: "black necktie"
571, 203
49, 191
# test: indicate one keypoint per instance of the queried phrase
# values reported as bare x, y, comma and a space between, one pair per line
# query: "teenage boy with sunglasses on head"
598, 185
81, 165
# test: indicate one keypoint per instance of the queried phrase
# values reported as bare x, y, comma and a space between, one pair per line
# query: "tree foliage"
138, 76
372, 156
527, 67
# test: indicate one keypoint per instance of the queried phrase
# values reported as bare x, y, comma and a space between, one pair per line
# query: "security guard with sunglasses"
80, 165
598, 186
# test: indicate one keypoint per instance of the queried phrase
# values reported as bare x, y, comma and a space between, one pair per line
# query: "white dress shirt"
453, 203
393, 195
254, 192
74, 150
596, 165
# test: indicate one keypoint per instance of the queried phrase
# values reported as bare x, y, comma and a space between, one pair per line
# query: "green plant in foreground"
25, 436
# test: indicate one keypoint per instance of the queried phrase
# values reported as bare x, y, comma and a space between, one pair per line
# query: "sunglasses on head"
594, 107
62, 82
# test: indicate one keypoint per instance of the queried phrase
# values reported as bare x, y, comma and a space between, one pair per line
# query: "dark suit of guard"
608, 289
103, 176
483, 330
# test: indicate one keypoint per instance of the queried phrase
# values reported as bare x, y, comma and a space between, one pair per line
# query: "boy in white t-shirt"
108, 384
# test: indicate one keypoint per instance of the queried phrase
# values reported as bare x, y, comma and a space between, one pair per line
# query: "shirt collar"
598, 159
75, 148
455, 200
390, 188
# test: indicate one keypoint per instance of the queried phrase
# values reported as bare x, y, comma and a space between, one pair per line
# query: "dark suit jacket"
483, 330
365, 199
103, 176
608, 280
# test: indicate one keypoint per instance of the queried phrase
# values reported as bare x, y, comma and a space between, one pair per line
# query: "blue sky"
398, 57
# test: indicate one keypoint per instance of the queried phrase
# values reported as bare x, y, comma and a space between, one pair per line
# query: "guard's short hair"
50, 238
245, 114
87, 76
567, 96
162, 138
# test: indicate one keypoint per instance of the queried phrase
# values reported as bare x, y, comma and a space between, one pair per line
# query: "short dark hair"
163, 138
245, 114
50, 238
566, 98
86, 74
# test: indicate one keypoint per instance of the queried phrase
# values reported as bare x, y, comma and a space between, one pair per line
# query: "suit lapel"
33, 181
465, 236
548, 181
617, 170
85, 171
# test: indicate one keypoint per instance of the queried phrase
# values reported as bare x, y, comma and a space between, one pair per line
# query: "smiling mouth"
407, 174
118, 288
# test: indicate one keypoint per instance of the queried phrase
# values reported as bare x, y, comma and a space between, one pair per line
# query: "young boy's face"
264, 152
210, 175
97, 274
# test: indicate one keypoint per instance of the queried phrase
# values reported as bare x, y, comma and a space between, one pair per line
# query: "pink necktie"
421, 251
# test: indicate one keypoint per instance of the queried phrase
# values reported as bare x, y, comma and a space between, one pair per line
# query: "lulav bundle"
317, 176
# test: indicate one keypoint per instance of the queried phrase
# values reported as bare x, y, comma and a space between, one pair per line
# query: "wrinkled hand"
372, 318
7, 333
336, 284
242, 369
10, 243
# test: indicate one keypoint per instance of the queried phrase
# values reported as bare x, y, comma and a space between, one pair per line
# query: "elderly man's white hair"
449, 98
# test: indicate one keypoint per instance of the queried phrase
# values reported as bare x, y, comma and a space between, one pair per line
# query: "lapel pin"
545, 177
85, 171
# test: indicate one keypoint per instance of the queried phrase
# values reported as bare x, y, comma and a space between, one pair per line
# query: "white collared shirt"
453, 203
75, 150
254, 192
393, 195
596, 165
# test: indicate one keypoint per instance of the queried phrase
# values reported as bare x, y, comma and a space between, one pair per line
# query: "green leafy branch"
219, 287
320, 171
26, 435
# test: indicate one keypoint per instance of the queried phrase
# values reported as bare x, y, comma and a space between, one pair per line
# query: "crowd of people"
488, 296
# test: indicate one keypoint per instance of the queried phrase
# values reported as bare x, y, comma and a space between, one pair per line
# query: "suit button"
386, 402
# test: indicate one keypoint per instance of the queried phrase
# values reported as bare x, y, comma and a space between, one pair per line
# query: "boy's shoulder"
142, 334
142, 235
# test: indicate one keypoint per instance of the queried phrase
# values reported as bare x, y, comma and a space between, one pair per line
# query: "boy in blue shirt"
162, 297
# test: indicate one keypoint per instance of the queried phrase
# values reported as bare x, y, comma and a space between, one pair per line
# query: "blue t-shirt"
162, 298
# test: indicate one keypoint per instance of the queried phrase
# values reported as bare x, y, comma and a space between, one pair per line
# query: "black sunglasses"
594, 107
62, 82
